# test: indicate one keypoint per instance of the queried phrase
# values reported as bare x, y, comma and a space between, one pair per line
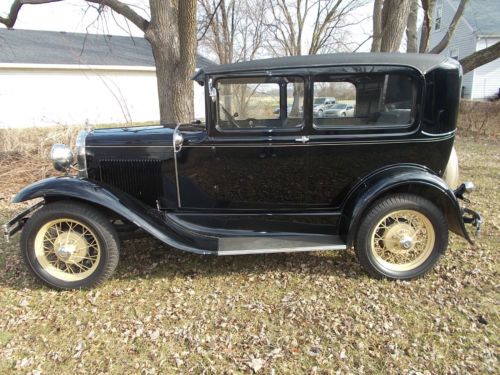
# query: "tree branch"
115, 5
210, 20
438, 48
125, 11
425, 33
481, 57
11, 19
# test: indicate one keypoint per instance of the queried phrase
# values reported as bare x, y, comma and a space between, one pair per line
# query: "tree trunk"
481, 57
172, 34
411, 27
428, 8
394, 18
377, 25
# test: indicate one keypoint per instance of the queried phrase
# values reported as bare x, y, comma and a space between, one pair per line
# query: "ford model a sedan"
254, 179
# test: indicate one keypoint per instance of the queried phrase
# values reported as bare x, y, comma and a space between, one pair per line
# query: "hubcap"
402, 240
67, 249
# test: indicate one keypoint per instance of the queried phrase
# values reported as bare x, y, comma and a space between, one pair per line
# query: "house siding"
52, 96
464, 39
486, 77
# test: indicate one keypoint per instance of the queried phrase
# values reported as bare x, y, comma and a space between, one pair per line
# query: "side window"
375, 99
260, 103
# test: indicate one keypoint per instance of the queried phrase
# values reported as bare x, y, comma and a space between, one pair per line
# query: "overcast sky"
76, 16
72, 16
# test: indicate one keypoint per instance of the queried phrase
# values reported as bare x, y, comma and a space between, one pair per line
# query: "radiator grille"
140, 178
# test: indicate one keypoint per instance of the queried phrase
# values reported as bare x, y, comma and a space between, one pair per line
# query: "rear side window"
260, 103
371, 100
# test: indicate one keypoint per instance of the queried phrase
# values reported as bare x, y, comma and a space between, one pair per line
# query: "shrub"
479, 119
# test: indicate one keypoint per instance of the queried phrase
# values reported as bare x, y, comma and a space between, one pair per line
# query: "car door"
252, 156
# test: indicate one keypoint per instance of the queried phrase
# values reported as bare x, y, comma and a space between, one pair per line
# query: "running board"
278, 244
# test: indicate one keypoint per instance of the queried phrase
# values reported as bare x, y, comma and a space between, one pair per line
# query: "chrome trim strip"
312, 144
435, 138
175, 166
439, 134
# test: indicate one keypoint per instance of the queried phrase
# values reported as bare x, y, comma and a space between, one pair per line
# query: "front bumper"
15, 224
469, 216
472, 217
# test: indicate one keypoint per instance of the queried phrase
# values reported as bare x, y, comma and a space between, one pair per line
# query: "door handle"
303, 139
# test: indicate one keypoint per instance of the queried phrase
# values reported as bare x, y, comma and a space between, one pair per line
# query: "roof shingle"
52, 47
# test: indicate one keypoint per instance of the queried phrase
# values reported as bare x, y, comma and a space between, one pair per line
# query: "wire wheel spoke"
403, 239
67, 249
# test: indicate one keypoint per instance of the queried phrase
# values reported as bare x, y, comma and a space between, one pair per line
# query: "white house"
478, 28
49, 78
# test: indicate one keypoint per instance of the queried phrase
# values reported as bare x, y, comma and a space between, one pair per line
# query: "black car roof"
420, 61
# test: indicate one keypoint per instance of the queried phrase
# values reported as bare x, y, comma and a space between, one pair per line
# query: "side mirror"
212, 91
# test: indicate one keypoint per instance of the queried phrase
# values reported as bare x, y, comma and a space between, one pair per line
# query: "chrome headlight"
61, 157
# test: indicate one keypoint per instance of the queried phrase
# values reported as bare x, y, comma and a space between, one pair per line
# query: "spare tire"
450, 174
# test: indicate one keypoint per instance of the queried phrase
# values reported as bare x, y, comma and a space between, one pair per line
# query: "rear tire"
402, 236
70, 245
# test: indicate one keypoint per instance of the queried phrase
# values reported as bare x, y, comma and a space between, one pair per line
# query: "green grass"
168, 312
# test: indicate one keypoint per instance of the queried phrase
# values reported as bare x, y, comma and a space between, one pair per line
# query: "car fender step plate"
278, 244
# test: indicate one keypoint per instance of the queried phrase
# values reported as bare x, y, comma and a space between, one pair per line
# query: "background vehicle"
323, 103
251, 181
339, 110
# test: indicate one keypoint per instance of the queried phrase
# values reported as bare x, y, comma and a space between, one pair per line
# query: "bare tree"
428, 8
392, 17
233, 30
443, 43
171, 31
389, 24
411, 27
328, 19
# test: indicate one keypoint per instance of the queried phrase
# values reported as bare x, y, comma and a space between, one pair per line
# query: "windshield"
340, 106
318, 101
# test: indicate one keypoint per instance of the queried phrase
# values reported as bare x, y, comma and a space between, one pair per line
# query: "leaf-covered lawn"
172, 312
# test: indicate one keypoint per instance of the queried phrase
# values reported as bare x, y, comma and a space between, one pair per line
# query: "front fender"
121, 203
411, 179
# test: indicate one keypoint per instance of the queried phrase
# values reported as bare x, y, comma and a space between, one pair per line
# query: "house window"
370, 100
439, 16
454, 53
260, 103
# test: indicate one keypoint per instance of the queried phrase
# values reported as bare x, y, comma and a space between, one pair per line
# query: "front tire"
70, 245
402, 236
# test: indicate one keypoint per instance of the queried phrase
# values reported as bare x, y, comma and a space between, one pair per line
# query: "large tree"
171, 31
392, 17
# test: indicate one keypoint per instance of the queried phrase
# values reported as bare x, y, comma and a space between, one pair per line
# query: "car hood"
131, 136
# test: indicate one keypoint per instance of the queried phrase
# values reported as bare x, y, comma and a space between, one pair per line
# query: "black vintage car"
255, 180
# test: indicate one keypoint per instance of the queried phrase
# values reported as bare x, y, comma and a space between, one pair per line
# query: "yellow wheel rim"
67, 249
403, 240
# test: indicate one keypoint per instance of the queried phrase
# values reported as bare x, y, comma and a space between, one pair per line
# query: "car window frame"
215, 129
412, 126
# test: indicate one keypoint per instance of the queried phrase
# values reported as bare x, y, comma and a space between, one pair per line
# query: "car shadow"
152, 259
149, 258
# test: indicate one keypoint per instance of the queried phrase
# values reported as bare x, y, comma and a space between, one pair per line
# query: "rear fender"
121, 203
413, 179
